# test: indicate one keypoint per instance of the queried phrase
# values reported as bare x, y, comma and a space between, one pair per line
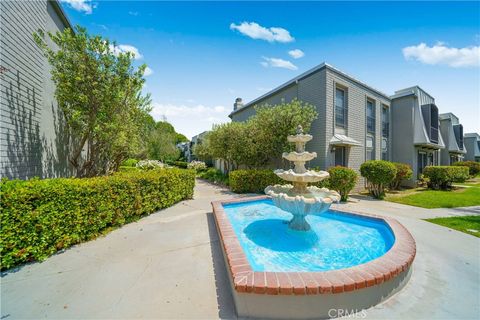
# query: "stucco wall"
32, 138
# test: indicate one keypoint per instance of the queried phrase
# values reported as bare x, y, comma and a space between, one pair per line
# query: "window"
340, 156
340, 108
421, 161
370, 116
430, 118
370, 150
385, 121
458, 131
384, 149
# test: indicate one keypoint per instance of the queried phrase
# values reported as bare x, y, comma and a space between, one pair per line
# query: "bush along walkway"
40, 217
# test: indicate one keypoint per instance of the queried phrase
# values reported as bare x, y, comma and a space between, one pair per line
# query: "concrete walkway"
169, 266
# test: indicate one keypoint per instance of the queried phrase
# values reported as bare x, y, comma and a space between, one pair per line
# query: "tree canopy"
259, 140
100, 94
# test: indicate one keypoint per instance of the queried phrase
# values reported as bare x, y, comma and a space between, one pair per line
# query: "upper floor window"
458, 132
370, 116
430, 118
385, 121
340, 108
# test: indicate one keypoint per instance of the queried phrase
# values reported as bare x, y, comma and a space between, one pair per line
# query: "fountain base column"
299, 223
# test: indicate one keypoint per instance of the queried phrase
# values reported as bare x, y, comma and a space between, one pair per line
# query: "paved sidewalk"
169, 266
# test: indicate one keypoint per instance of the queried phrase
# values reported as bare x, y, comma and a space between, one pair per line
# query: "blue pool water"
336, 241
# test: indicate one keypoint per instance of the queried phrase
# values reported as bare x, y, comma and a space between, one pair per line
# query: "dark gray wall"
33, 139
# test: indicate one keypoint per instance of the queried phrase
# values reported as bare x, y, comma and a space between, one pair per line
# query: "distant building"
472, 144
196, 140
357, 123
33, 139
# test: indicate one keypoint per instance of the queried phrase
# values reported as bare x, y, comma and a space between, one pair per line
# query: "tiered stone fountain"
298, 198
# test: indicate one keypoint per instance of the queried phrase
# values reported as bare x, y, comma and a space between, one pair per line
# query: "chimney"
238, 104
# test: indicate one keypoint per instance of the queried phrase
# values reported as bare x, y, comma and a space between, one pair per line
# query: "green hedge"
379, 174
214, 175
129, 163
404, 172
473, 167
181, 164
40, 217
342, 180
442, 177
252, 181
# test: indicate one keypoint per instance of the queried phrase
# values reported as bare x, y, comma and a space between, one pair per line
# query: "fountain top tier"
300, 175
298, 199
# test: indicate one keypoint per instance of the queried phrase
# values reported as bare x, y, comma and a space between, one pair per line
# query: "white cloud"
80, 5
256, 31
296, 54
443, 55
148, 71
122, 48
133, 13
278, 63
171, 110
190, 120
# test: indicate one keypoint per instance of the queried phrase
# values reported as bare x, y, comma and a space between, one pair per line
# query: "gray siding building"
357, 123
472, 144
33, 141
345, 106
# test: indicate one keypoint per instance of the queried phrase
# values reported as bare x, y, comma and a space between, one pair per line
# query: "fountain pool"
291, 257
335, 241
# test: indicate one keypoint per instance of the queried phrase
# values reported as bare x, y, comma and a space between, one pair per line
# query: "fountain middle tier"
309, 176
299, 156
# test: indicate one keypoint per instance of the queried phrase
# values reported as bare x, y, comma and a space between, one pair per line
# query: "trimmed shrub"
252, 181
214, 175
197, 165
149, 164
404, 172
127, 169
342, 180
129, 163
473, 167
379, 174
181, 164
40, 217
442, 177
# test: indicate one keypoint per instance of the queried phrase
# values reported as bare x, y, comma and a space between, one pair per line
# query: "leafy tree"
100, 94
162, 142
259, 140
180, 138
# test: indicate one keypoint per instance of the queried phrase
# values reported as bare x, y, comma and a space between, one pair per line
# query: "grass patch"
466, 224
463, 197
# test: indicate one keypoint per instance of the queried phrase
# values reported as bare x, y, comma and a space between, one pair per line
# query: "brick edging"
394, 262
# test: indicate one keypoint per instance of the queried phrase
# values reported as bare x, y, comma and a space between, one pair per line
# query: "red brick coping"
397, 260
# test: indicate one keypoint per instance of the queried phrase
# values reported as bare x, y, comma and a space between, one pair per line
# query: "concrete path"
169, 266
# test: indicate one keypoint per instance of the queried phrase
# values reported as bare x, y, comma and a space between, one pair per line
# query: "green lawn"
463, 197
466, 224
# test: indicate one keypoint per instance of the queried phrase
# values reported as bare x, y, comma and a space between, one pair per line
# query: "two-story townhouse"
353, 123
416, 137
472, 144
357, 123
452, 134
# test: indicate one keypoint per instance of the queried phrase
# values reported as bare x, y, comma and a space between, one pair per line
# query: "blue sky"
205, 54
